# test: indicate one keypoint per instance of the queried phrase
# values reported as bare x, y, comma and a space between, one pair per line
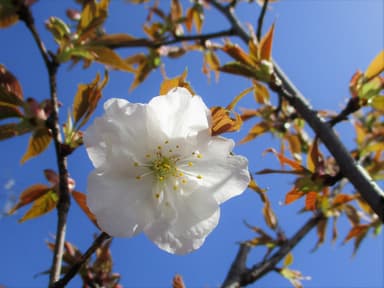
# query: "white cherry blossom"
159, 171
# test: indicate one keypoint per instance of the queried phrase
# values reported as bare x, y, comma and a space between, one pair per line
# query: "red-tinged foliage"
293, 195
81, 200
178, 282
266, 44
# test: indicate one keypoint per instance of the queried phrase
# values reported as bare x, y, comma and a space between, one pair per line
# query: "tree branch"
53, 124
239, 275
261, 19
356, 174
76, 267
144, 42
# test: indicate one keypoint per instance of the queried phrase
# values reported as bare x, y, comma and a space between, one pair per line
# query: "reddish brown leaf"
286, 161
341, 199
81, 200
237, 53
310, 201
10, 88
178, 282
293, 195
9, 111
29, 195
356, 231
321, 230
41, 206
266, 44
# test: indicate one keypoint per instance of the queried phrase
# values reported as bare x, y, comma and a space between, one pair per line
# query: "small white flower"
159, 170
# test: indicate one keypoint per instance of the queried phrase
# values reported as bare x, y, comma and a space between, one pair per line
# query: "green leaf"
41, 206
38, 142
59, 29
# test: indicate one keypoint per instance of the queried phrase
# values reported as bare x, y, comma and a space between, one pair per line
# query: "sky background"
319, 44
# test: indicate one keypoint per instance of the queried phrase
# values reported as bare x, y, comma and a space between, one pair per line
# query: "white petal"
124, 126
223, 174
123, 207
193, 218
179, 114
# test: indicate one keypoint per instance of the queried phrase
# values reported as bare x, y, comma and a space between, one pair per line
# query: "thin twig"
239, 275
145, 42
261, 20
53, 123
77, 266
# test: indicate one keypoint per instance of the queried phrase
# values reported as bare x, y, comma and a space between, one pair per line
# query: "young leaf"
29, 195
109, 57
178, 282
178, 81
269, 215
235, 100
86, 99
288, 260
378, 103
9, 111
255, 131
293, 195
41, 206
313, 156
266, 44
310, 201
261, 93
321, 230
376, 67
81, 200
10, 88
8, 13
222, 122
284, 160
38, 142
14, 129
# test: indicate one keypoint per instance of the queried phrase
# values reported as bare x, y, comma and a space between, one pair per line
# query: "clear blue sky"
320, 44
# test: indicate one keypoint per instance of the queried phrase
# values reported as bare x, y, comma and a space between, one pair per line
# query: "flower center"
163, 167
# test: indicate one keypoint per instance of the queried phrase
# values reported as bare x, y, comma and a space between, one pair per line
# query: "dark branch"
261, 19
239, 275
53, 124
144, 42
77, 266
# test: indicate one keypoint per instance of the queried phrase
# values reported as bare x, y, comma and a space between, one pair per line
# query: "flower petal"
179, 114
193, 218
223, 174
123, 207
